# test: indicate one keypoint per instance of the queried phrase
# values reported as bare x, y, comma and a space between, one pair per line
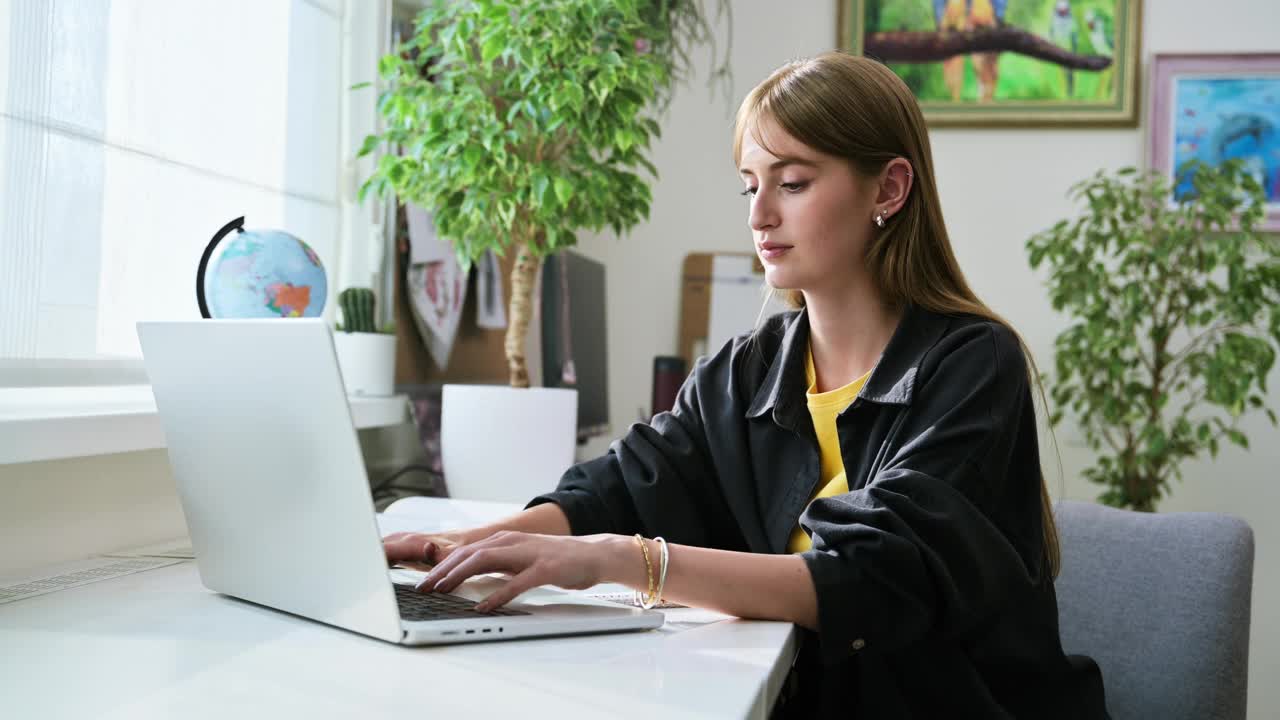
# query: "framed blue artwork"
1218, 107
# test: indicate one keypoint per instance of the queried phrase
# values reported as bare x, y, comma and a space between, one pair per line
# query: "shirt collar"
892, 382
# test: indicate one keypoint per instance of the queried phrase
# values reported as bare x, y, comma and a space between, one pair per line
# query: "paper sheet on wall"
424, 245
436, 285
737, 293
436, 293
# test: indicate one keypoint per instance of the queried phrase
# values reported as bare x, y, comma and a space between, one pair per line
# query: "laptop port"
486, 630
471, 632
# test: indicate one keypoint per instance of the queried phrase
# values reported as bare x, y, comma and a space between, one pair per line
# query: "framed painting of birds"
1005, 62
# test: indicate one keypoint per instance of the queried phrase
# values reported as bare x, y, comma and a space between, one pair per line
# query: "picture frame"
1216, 106
1027, 64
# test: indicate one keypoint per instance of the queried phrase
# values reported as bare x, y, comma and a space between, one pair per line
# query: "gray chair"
1161, 602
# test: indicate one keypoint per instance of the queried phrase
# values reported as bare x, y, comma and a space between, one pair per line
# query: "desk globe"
259, 274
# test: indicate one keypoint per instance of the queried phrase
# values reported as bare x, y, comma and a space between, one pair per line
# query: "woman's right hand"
424, 549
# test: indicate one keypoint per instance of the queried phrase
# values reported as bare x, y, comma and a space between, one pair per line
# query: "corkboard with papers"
477, 355
721, 295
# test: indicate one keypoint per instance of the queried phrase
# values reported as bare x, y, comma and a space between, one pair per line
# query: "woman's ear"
895, 185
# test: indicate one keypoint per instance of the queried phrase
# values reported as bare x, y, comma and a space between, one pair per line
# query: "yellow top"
823, 408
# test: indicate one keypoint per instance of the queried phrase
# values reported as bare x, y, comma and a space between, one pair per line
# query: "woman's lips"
773, 252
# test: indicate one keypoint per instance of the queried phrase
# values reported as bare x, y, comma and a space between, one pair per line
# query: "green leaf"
472, 156
540, 187
564, 190
397, 172
1238, 438
514, 110
492, 47
370, 143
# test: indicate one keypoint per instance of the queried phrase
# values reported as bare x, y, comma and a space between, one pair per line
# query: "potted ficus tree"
518, 124
366, 354
1175, 320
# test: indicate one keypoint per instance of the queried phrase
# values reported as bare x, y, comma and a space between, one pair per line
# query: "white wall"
998, 187
63, 510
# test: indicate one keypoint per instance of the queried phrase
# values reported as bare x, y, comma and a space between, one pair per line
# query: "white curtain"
130, 131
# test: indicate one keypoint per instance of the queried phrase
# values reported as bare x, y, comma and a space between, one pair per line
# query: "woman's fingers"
514, 588
456, 554
406, 547
531, 559
479, 561
416, 547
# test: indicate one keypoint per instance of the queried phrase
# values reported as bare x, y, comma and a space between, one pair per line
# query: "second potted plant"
366, 356
1174, 305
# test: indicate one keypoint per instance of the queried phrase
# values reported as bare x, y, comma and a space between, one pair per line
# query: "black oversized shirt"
933, 597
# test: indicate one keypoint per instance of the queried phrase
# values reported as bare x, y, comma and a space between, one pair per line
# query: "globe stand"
238, 226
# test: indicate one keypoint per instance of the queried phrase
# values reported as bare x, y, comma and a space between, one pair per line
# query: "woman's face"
810, 213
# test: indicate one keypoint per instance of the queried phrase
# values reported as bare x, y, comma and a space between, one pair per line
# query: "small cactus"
357, 309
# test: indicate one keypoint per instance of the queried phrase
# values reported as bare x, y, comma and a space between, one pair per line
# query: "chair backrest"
1161, 601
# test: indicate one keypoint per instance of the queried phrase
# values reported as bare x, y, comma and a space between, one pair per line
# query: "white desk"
157, 644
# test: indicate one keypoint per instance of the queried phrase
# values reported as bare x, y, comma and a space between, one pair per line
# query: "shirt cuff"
583, 510
841, 627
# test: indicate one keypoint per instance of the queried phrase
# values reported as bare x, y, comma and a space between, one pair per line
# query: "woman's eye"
748, 191
794, 186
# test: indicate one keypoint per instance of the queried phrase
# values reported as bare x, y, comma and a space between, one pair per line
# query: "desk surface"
157, 644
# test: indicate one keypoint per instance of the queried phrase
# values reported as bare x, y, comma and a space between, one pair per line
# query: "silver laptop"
272, 483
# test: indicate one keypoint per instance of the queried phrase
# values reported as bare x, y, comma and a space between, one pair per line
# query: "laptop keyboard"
439, 606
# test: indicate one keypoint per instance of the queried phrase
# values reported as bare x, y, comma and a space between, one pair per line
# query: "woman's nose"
764, 214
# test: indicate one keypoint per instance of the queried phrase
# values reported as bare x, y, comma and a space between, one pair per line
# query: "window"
132, 130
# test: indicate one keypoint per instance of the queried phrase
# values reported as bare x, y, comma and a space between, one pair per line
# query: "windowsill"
57, 423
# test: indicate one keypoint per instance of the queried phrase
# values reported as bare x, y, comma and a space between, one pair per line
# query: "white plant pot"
367, 362
506, 444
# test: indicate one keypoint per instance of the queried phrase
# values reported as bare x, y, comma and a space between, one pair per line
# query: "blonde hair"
857, 109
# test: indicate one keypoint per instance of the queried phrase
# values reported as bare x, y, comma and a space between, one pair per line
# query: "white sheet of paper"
424, 245
437, 291
428, 514
737, 293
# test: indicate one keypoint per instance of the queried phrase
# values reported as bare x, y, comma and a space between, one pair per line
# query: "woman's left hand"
570, 562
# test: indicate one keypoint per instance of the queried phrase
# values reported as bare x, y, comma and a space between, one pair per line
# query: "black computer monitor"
573, 336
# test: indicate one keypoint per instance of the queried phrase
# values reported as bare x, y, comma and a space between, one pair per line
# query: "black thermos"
668, 375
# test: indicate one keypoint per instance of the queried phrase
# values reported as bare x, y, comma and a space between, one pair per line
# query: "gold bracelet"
643, 601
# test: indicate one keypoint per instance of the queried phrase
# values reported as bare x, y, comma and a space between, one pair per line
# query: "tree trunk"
524, 274
930, 46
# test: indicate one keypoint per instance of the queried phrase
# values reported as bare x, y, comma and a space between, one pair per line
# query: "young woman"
865, 467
